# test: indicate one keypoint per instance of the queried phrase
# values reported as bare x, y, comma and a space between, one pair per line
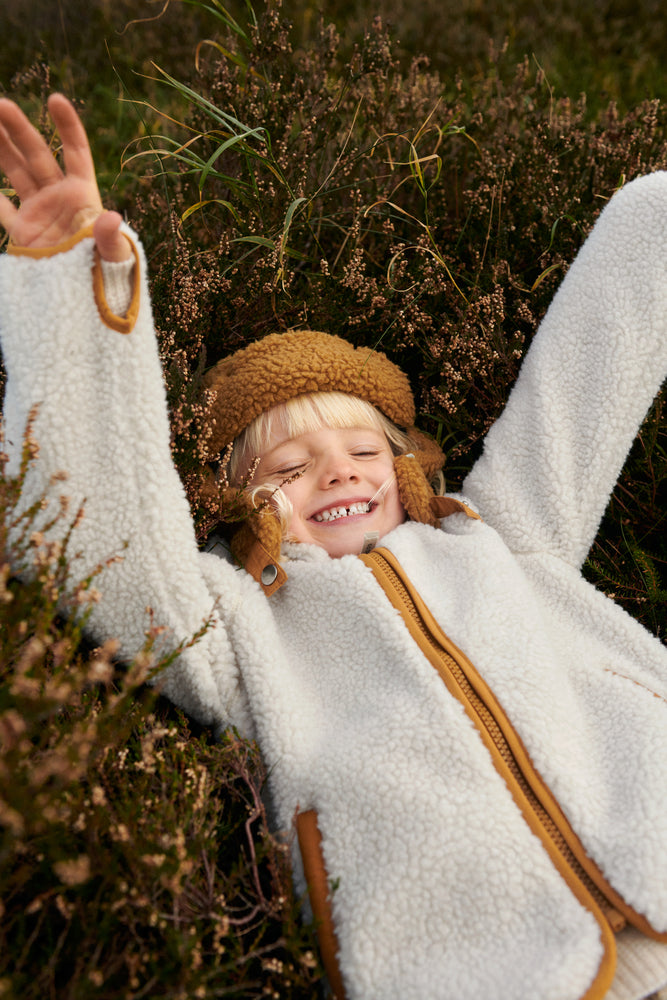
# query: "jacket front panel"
378, 746
591, 718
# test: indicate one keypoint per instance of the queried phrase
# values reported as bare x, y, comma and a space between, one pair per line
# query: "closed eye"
288, 470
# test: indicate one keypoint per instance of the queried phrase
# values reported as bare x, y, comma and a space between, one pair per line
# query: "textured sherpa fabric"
282, 366
443, 892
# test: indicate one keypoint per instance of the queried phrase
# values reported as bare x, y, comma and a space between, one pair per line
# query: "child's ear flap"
418, 498
256, 545
414, 490
257, 542
413, 474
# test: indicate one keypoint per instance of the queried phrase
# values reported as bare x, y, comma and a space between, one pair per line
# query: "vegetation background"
412, 176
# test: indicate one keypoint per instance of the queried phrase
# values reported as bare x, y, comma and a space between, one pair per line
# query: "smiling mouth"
340, 512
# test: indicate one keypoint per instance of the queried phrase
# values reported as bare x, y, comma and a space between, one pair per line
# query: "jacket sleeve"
102, 419
551, 460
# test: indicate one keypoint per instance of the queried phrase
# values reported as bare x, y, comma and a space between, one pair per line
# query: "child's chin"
351, 545
344, 540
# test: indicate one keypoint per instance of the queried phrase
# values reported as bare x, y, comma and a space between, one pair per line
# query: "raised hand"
54, 205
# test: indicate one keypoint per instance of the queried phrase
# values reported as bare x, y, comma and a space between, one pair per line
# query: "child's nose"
337, 468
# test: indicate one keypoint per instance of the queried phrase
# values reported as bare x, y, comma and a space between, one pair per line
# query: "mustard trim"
310, 845
444, 506
63, 247
378, 561
121, 324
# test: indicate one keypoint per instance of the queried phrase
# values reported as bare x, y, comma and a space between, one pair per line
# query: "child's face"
340, 471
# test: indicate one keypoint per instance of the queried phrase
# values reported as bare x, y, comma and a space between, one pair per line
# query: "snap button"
269, 574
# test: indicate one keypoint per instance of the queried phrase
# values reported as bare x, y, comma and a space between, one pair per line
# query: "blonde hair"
302, 415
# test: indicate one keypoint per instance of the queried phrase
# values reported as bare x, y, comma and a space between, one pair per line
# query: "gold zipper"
539, 807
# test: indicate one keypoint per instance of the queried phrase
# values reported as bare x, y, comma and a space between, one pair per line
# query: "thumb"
111, 243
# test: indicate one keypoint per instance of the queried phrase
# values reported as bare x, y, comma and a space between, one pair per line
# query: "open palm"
54, 204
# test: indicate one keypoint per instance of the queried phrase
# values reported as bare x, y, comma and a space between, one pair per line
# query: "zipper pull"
371, 538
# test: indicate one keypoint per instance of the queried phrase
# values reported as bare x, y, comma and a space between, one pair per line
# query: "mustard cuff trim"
121, 324
63, 247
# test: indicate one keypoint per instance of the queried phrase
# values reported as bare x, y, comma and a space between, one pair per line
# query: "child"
473, 740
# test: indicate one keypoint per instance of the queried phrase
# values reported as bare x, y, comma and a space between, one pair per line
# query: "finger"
76, 149
111, 243
8, 214
12, 160
24, 155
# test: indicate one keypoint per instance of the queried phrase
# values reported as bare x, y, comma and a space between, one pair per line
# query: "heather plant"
431, 218
610, 50
135, 857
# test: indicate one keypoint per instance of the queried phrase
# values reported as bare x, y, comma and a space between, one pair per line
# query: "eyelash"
289, 470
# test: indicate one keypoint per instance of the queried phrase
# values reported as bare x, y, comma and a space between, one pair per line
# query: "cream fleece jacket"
443, 891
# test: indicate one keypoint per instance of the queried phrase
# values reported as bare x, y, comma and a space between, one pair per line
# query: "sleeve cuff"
118, 309
118, 284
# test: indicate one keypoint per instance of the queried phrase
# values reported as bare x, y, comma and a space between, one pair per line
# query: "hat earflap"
257, 543
413, 474
414, 490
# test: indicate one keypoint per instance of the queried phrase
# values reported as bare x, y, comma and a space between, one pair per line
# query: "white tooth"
336, 512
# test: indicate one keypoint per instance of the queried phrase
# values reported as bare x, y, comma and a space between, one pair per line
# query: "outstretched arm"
54, 205
102, 417
551, 460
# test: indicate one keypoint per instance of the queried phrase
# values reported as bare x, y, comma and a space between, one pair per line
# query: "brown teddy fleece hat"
282, 366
